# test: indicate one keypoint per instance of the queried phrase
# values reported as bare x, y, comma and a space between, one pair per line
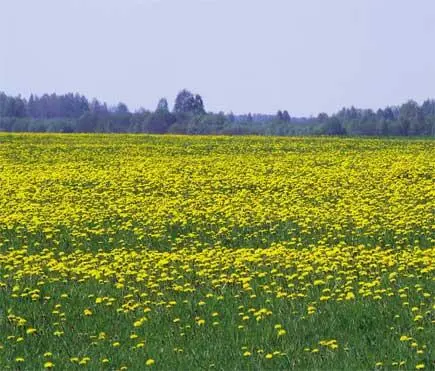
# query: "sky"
305, 56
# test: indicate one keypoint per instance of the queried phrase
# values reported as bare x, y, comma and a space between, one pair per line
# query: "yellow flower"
150, 362
168, 230
48, 364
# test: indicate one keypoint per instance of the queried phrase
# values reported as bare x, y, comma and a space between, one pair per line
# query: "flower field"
181, 253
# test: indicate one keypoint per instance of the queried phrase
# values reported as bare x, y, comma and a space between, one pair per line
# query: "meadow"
216, 253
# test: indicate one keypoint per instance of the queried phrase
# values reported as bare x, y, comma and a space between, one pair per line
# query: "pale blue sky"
305, 56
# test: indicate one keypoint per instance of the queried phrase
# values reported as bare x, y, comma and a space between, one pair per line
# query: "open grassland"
128, 252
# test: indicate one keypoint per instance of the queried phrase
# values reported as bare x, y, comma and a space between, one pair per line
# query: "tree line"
74, 113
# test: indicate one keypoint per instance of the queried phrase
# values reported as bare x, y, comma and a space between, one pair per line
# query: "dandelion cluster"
133, 252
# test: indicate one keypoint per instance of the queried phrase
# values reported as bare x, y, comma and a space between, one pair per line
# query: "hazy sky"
305, 56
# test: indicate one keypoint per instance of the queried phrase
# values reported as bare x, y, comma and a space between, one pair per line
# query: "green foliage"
74, 113
186, 102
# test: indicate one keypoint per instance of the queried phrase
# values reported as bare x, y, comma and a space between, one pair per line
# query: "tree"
31, 106
333, 127
322, 117
163, 105
389, 114
12, 107
183, 101
20, 107
121, 108
385, 127
73, 112
285, 116
199, 105
411, 119
96, 107
186, 102
159, 122
428, 107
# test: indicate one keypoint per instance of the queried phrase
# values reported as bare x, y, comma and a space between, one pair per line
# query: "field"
183, 253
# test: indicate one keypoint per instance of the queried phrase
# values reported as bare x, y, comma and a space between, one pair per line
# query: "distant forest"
74, 113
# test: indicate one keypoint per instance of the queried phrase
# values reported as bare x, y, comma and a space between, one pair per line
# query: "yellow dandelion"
150, 362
